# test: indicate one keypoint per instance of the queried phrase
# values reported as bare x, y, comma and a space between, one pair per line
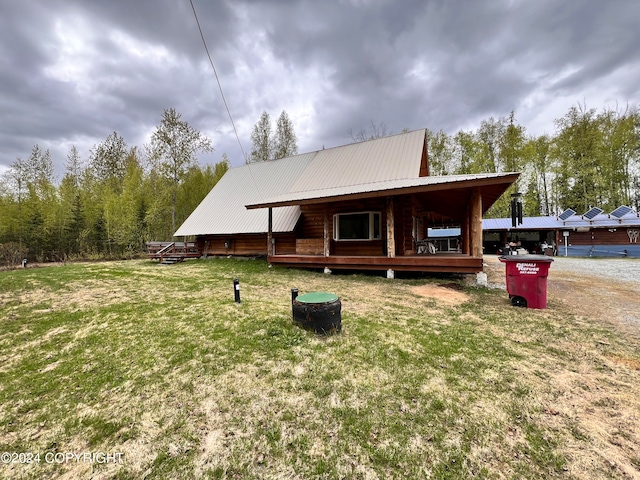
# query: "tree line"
118, 198
109, 204
592, 159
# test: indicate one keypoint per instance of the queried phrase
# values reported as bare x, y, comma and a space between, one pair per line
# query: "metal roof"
389, 158
390, 165
223, 212
395, 186
554, 223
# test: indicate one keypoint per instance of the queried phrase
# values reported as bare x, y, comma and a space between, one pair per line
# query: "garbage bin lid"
317, 297
525, 258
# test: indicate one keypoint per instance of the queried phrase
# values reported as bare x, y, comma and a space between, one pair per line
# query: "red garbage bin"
526, 277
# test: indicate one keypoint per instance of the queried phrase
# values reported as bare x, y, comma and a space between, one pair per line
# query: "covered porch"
384, 226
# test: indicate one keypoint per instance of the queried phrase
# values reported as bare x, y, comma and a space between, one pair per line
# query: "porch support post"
414, 225
270, 234
476, 223
325, 233
391, 240
466, 248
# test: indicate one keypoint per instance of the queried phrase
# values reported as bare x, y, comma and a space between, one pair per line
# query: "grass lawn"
159, 365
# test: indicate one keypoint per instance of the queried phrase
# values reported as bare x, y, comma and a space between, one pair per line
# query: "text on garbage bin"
528, 268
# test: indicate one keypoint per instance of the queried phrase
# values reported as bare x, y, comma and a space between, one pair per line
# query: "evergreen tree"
98, 235
74, 229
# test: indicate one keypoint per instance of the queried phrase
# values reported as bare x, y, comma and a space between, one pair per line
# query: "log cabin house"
363, 206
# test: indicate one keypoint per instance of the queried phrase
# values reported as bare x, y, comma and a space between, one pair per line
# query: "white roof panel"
223, 212
389, 158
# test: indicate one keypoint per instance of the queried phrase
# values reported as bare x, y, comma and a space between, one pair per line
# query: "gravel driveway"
620, 269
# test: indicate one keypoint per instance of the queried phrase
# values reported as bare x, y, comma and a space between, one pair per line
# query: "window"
356, 226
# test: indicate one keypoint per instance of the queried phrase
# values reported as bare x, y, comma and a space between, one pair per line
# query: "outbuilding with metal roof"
593, 234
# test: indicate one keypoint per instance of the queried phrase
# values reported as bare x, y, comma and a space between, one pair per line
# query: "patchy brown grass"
429, 379
590, 391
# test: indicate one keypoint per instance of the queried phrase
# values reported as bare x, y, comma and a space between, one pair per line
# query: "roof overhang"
498, 181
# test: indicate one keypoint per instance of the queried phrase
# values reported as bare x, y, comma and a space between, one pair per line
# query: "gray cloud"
72, 72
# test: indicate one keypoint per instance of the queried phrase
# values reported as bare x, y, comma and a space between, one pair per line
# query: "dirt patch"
627, 362
448, 294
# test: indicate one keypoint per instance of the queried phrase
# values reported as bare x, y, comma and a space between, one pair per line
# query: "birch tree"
108, 161
576, 146
285, 140
440, 151
262, 140
375, 130
174, 148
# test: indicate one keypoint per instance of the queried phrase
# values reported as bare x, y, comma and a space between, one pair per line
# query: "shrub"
11, 254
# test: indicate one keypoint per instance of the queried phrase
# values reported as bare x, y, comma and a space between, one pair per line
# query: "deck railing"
165, 250
181, 250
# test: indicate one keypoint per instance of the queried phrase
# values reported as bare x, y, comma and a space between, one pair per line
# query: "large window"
356, 226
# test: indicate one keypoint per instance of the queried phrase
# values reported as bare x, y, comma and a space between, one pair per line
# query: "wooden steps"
171, 260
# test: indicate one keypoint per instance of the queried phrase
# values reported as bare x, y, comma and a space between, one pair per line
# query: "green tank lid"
317, 297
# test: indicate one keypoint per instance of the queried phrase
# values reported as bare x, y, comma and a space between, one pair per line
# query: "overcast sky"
74, 71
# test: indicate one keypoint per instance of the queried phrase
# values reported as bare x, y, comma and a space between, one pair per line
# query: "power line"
204, 42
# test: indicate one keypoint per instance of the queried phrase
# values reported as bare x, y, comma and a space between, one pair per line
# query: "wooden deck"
172, 252
441, 262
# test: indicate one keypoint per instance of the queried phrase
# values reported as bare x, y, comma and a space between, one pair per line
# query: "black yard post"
294, 295
236, 290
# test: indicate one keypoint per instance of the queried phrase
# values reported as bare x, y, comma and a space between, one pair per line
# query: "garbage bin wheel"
517, 301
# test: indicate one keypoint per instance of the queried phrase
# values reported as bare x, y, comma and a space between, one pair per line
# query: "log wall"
246, 244
598, 236
312, 226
